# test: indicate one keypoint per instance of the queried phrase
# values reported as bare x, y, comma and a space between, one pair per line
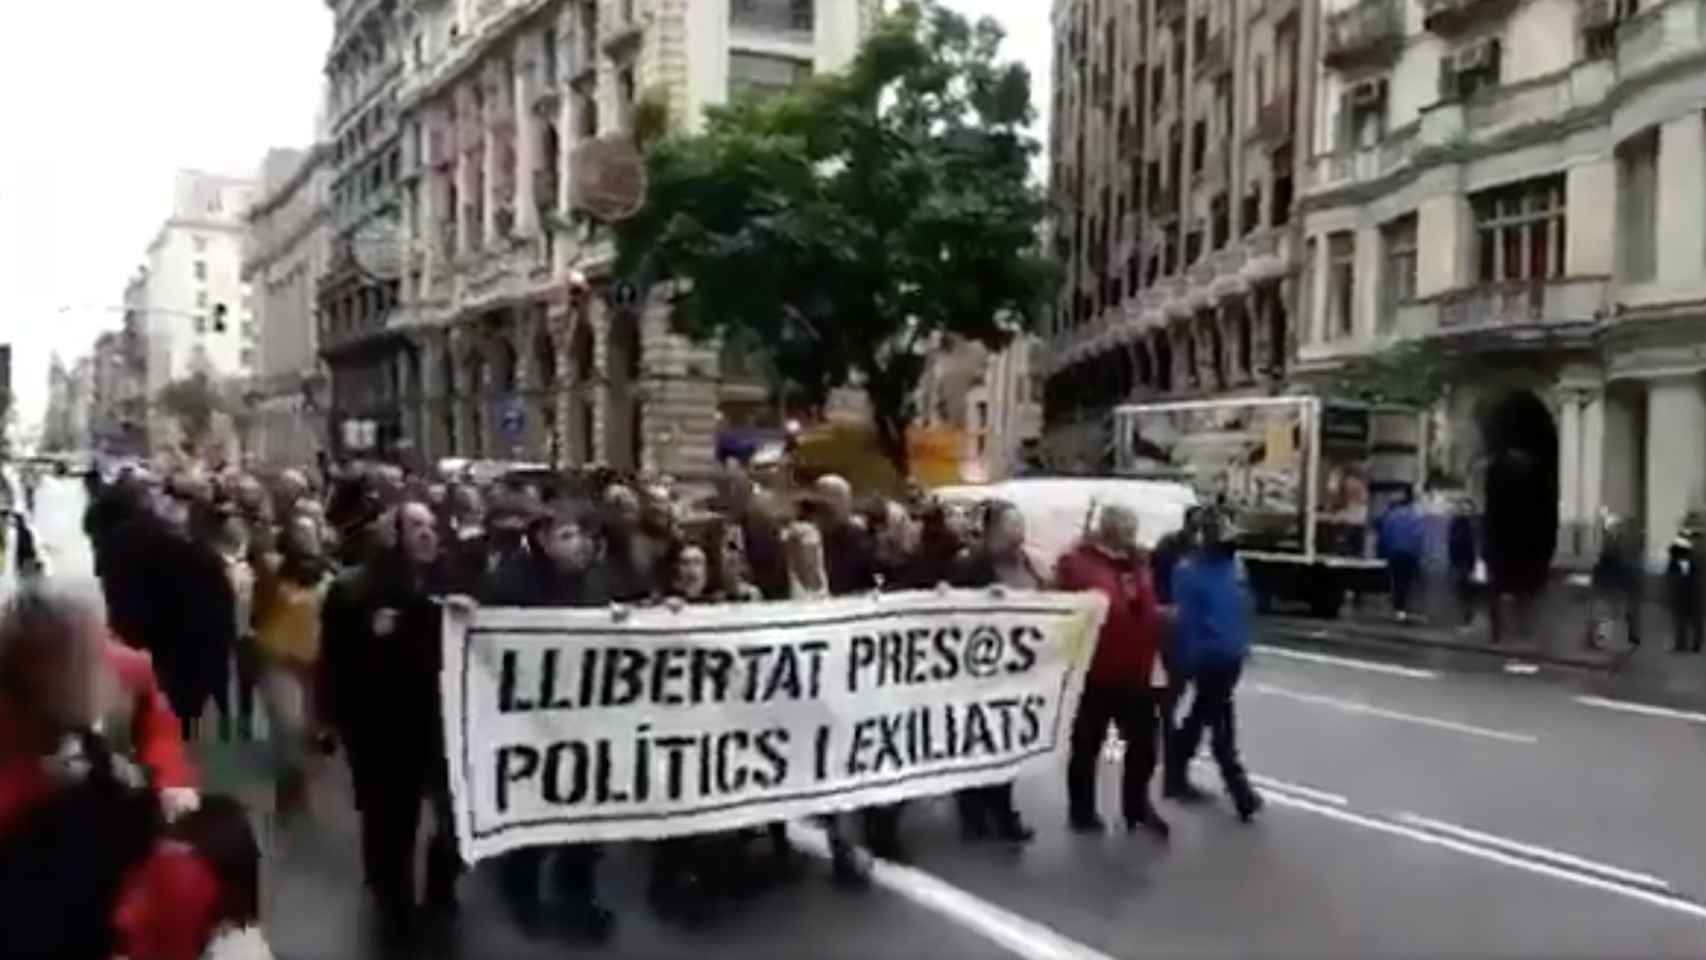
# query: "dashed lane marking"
1018, 935
1661, 898
1351, 663
1365, 709
1546, 854
1644, 709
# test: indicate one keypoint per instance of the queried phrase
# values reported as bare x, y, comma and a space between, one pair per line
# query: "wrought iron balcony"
1372, 32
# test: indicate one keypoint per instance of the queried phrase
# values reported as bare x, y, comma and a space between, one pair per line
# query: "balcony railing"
1367, 163
1370, 32
1274, 121
1671, 29
1211, 59
1450, 17
1568, 300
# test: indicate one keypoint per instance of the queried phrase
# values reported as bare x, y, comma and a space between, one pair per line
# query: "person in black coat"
381, 629
1682, 586
1462, 551
999, 559
557, 568
169, 594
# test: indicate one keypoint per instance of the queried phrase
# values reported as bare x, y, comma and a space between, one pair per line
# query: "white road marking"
1365, 709
1547, 854
1025, 938
1271, 785
1371, 666
1644, 709
1667, 901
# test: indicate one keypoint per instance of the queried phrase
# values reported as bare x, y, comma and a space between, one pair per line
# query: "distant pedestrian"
1464, 555
1682, 583
1213, 629
1616, 582
1400, 536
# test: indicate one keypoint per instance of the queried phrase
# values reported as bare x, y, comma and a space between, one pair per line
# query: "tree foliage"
192, 401
1411, 372
848, 223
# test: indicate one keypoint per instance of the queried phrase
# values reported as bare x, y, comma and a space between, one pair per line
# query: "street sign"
513, 418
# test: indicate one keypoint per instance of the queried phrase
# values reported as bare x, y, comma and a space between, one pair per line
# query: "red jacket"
166, 902
1125, 650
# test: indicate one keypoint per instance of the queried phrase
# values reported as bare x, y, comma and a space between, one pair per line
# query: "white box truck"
1305, 477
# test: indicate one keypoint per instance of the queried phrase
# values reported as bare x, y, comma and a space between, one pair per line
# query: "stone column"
1569, 471
527, 136
1593, 453
1676, 457
431, 440
466, 121
490, 80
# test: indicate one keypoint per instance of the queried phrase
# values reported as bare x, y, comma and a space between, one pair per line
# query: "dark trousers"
389, 799
572, 869
983, 809
1212, 710
1131, 708
1404, 567
1686, 620
1463, 584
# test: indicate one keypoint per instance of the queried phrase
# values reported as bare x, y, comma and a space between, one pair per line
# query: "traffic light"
219, 318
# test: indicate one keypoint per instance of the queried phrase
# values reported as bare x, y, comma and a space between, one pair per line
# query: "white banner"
565, 725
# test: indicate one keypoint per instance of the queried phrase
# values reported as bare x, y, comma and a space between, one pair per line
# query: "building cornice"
489, 35
312, 161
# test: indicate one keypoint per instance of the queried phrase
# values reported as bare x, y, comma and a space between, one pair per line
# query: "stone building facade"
1174, 158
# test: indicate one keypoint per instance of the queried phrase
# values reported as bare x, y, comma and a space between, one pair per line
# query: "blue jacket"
1215, 623
1401, 531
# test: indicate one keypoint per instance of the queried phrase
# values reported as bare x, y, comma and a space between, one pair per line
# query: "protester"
631, 567
558, 568
87, 870
999, 559
1213, 629
1117, 687
230, 542
1171, 548
290, 592
1617, 578
759, 532
1400, 537
848, 553
381, 626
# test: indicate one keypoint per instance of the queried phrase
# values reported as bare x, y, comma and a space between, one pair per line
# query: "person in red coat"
1117, 687
91, 769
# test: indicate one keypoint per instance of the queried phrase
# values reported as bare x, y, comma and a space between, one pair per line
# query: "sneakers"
1150, 821
1247, 803
1086, 823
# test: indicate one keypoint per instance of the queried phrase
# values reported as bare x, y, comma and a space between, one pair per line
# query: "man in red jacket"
1118, 685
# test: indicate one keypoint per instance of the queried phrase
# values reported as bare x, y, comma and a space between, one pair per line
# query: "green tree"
1411, 372
848, 223
193, 401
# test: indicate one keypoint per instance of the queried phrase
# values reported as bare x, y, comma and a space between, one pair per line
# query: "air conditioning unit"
1368, 93
1474, 56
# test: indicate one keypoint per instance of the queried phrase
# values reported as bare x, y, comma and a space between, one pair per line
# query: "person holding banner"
557, 568
999, 561
380, 626
1117, 687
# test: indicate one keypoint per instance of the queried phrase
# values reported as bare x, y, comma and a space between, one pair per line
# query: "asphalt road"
1429, 808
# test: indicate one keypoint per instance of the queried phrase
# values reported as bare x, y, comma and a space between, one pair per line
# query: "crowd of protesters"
300, 596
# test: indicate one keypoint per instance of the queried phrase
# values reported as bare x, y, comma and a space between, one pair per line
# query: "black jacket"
849, 559
526, 580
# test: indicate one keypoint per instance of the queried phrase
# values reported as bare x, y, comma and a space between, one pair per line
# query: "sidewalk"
1556, 637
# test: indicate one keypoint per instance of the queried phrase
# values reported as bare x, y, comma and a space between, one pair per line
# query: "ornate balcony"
1565, 301
1449, 18
1372, 32
1274, 121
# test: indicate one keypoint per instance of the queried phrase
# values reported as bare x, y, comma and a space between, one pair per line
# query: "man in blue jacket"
1212, 634
1400, 538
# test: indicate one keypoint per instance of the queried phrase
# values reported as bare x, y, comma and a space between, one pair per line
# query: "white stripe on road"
1365, 709
1372, 666
1023, 937
1644, 709
1547, 854
1667, 901
1270, 786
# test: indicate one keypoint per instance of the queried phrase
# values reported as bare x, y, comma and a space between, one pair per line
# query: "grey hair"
44, 609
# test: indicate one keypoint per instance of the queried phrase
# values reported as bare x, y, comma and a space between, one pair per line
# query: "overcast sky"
104, 99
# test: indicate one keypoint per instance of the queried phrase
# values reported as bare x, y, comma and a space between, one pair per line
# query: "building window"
1638, 207
763, 74
787, 15
1469, 69
1341, 285
1219, 223
1398, 276
1199, 145
200, 243
1519, 230
201, 270
201, 298
247, 357
982, 414
200, 324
